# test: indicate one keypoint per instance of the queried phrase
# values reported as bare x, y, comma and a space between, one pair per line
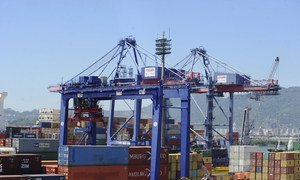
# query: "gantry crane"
216, 84
178, 83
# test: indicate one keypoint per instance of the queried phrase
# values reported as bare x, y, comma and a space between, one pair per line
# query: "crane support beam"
185, 135
235, 88
231, 118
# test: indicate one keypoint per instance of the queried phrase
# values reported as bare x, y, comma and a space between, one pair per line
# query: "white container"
7, 150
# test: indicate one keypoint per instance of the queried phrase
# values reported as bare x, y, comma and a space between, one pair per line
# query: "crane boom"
274, 68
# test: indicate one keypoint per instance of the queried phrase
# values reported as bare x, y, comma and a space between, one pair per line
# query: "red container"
272, 156
277, 170
253, 155
208, 166
277, 177
2, 135
271, 163
143, 172
7, 164
2, 142
94, 172
287, 156
28, 163
259, 156
173, 142
271, 177
142, 155
253, 162
8, 142
287, 170
51, 169
271, 170
277, 163
259, 162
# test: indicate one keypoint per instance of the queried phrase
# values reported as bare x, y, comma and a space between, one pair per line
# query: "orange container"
240, 175
51, 169
247, 175
49, 163
94, 172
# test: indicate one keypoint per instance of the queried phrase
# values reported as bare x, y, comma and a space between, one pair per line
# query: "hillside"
282, 110
277, 111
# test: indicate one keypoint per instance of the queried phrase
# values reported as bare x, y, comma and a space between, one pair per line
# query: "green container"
206, 153
296, 145
265, 156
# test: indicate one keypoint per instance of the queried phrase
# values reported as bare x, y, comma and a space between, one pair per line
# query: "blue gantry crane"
111, 83
90, 90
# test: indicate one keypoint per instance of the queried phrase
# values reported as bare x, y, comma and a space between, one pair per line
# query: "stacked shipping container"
196, 166
240, 158
109, 162
275, 166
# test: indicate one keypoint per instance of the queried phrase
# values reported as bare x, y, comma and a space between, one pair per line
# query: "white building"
3, 95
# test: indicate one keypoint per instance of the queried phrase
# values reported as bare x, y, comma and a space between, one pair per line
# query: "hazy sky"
42, 42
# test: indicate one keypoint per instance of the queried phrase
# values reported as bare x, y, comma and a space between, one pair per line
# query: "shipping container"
45, 177
28, 163
73, 155
7, 164
151, 72
35, 145
142, 172
230, 79
45, 124
29, 135
94, 172
13, 177
142, 155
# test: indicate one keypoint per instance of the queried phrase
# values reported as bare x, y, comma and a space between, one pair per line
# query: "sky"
43, 43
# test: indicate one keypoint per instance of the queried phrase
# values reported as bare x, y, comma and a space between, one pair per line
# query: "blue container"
258, 169
230, 79
94, 80
78, 130
83, 79
101, 131
45, 124
18, 135
72, 155
29, 135
151, 72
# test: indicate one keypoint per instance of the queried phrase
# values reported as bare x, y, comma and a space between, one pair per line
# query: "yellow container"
258, 176
194, 165
296, 155
207, 159
252, 176
265, 163
297, 163
178, 166
287, 177
265, 176
288, 163
297, 170
265, 170
173, 167
278, 156
297, 176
